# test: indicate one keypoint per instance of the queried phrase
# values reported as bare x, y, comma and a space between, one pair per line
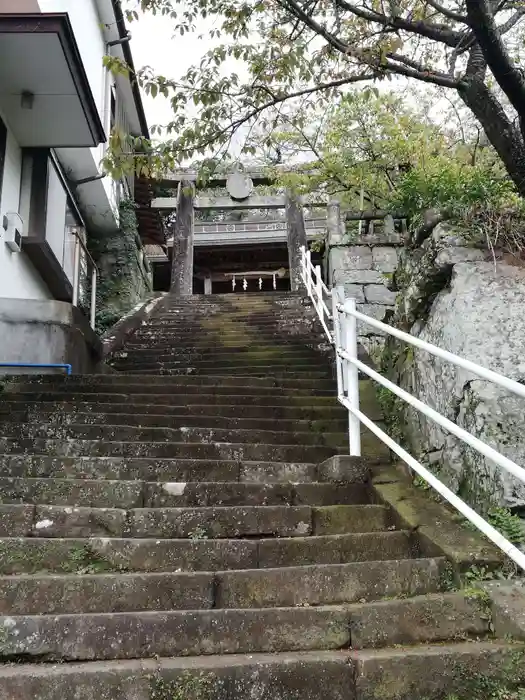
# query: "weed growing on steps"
198, 533
83, 560
188, 686
509, 685
511, 526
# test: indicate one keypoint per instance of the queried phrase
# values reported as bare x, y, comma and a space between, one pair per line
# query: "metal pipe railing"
316, 288
344, 336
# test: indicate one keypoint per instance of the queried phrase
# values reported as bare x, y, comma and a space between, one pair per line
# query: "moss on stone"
124, 278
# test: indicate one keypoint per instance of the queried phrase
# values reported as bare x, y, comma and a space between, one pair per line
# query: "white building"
58, 105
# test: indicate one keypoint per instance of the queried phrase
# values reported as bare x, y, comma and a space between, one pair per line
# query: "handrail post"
352, 377
319, 291
337, 298
309, 272
93, 309
76, 271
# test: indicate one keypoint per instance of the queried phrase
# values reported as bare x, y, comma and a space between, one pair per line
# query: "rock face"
452, 297
479, 317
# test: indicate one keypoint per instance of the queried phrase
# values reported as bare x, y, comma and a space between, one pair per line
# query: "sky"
152, 44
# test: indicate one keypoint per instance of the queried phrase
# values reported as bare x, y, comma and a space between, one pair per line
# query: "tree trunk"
500, 131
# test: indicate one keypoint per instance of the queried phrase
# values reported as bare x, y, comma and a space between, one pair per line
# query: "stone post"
207, 285
296, 238
334, 227
182, 263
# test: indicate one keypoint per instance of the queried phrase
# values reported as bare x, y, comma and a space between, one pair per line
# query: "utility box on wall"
13, 228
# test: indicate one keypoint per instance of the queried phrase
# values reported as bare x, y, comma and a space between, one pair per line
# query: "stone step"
315, 351
207, 338
252, 588
260, 338
185, 434
127, 635
266, 452
20, 410
281, 369
224, 522
135, 385
61, 417
32, 555
236, 360
164, 469
109, 493
105, 381
218, 324
217, 373
461, 670
207, 396
313, 342
444, 670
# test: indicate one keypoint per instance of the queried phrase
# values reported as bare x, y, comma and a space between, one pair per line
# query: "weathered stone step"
218, 372
135, 386
164, 469
107, 554
20, 410
261, 338
224, 522
225, 359
174, 350
289, 676
219, 324
186, 450
103, 381
206, 346
186, 434
61, 417
252, 588
89, 636
243, 335
386, 674
446, 670
109, 493
304, 372
168, 398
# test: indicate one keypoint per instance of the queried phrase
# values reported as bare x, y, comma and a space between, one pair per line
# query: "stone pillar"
334, 227
182, 264
296, 238
207, 285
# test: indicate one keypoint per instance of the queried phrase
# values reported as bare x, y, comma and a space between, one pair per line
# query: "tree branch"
454, 16
430, 30
509, 77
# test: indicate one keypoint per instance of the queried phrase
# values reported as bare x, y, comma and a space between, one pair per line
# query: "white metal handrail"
344, 336
317, 290
80, 246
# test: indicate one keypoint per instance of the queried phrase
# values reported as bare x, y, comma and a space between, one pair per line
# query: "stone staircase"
188, 527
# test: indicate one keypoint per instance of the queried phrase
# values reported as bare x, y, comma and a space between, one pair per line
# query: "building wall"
88, 33
86, 23
18, 278
18, 6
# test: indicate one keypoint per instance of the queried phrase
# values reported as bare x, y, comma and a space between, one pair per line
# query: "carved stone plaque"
239, 186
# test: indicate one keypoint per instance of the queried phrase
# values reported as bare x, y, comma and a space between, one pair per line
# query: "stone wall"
364, 265
125, 274
460, 299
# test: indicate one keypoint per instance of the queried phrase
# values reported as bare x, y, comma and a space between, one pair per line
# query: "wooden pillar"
207, 285
296, 238
182, 263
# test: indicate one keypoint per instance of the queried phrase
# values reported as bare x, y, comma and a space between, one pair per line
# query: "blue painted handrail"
36, 366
